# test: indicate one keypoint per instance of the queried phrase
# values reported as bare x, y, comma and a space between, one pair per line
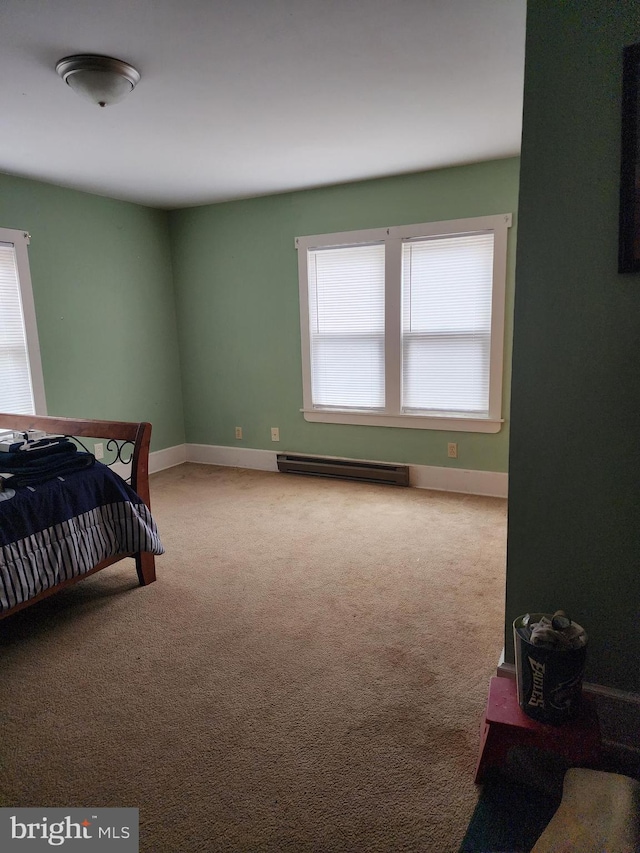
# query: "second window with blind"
404, 326
21, 382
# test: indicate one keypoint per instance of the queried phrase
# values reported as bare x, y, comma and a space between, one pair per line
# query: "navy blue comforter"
64, 527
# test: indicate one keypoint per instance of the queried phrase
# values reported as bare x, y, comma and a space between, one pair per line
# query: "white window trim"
21, 240
393, 237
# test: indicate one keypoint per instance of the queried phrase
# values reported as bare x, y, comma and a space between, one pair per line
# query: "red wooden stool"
505, 725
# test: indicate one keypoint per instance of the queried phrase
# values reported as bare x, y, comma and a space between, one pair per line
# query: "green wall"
236, 279
107, 274
103, 291
574, 490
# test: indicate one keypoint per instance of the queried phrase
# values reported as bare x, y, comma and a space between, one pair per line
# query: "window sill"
447, 423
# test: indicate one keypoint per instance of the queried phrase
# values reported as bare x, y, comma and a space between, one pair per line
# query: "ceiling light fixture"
100, 79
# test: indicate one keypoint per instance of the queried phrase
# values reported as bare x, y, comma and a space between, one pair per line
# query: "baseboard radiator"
368, 472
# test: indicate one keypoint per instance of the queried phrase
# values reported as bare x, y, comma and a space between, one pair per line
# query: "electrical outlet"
275, 434
98, 450
238, 432
452, 450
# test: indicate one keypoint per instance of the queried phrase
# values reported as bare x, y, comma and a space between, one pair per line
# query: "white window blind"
21, 383
346, 326
16, 394
403, 326
447, 285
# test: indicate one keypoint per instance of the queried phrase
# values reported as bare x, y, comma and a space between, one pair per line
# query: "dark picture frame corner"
629, 231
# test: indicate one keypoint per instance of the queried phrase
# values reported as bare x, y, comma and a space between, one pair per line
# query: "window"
21, 384
404, 326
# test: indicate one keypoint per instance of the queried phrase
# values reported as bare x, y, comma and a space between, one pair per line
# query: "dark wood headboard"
139, 434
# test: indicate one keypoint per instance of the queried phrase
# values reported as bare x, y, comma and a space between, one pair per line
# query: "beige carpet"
307, 674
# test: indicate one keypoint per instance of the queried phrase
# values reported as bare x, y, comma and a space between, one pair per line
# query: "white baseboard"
158, 461
167, 458
232, 457
461, 480
490, 483
618, 711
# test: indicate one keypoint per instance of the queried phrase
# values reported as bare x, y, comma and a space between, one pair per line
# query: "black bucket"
549, 680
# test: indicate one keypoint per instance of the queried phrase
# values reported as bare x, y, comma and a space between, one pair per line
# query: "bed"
59, 532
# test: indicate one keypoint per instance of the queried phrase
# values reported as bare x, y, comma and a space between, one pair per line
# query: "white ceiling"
248, 97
